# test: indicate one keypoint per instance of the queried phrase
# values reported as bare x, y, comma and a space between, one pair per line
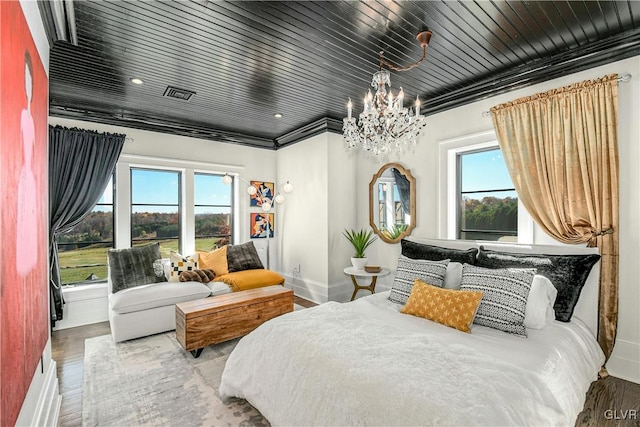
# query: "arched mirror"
392, 202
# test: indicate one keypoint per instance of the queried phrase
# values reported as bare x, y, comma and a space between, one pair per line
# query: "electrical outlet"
296, 270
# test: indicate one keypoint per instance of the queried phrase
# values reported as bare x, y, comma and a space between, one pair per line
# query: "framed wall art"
261, 225
264, 191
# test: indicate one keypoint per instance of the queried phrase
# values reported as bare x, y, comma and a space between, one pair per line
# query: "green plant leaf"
360, 240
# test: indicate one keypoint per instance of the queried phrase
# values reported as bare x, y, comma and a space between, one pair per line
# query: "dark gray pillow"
415, 250
243, 257
133, 267
568, 273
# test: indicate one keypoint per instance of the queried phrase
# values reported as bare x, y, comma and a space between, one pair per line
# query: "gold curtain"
561, 149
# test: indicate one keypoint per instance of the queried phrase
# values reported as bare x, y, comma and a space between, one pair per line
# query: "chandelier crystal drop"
385, 125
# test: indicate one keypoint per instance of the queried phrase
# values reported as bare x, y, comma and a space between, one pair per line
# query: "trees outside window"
487, 200
82, 251
213, 206
155, 208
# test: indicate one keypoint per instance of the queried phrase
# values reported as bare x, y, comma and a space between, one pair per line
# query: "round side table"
361, 273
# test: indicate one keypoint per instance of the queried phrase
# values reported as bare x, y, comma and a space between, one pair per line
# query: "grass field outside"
79, 264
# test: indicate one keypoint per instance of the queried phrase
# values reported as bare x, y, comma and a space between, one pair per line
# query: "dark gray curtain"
80, 165
403, 189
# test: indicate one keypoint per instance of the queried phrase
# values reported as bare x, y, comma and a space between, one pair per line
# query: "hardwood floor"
610, 401
67, 349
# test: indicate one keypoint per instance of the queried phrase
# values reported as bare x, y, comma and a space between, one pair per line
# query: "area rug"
153, 381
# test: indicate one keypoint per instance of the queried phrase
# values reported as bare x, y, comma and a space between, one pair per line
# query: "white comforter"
364, 363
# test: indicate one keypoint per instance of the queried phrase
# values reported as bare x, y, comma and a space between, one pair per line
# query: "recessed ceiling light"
277, 115
136, 80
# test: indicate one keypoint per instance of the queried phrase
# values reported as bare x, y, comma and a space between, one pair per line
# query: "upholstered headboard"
587, 308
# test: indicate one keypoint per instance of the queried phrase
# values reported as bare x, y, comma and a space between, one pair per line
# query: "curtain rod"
624, 78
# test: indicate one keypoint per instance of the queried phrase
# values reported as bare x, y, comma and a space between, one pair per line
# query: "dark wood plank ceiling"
247, 60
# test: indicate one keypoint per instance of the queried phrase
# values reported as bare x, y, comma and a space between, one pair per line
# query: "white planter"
358, 263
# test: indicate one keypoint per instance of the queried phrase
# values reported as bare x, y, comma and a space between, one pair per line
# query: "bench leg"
196, 353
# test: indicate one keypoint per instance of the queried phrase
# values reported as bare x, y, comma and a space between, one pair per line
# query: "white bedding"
364, 363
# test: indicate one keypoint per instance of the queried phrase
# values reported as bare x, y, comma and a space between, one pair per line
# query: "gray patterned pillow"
133, 267
504, 300
243, 257
431, 272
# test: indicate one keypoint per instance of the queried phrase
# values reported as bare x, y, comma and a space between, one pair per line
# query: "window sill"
85, 291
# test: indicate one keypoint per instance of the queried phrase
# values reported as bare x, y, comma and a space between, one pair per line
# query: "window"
213, 208
155, 208
486, 198
82, 251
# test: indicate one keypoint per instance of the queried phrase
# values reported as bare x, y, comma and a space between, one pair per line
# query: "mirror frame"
412, 201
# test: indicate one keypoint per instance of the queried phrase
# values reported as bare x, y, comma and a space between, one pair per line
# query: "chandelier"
385, 125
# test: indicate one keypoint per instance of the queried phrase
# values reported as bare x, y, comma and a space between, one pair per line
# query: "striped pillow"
431, 272
505, 292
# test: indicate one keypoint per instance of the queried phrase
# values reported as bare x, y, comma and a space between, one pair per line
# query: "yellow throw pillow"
251, 279
450, 307
215, 260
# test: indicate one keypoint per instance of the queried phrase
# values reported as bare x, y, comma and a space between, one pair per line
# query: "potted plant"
360, 240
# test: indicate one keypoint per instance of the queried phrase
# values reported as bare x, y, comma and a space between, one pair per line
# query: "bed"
365, 363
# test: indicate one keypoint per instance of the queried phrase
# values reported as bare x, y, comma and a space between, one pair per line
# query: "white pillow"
180, 263
540, 302
453, 276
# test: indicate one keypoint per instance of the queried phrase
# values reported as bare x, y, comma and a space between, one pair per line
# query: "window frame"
181, 203
188, 168
460, 194
448, 151
231, 206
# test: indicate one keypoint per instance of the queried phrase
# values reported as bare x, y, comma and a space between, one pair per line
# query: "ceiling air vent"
177, 93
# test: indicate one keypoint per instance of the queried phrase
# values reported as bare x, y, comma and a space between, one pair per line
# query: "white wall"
321, 207
625, 361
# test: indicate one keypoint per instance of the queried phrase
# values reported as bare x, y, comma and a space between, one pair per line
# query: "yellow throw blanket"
251, 279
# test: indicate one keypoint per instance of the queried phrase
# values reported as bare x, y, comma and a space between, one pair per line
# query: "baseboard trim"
48, 406
624, 362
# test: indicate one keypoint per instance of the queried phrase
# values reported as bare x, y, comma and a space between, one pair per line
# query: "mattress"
364, 363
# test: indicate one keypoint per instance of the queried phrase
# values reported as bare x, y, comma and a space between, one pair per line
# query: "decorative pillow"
450, 307
251, 279
453, 277
202, 276
568, 273
505, 292
180, 263
243, 257
133, 266
409, 269
540, 303
215, 260
158, 268
416, 250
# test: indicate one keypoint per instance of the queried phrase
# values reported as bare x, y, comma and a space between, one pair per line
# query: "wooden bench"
207, 321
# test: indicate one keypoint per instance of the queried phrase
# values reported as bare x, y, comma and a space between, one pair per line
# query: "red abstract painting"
24, 289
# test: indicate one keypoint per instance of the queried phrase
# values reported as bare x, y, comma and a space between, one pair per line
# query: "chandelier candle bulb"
400, 99
417, 107
349, 107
